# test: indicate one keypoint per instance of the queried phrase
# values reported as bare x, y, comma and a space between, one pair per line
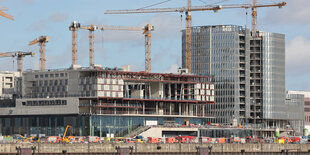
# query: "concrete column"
157, 112
170, 110
114, 108
186, 108
203, 109
128, 108
143, 108
196, 109
175, 91
169, 91
180, 109
100, 126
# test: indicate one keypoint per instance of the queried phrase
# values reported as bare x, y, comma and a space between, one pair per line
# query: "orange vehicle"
222, 140
185, 139
153, 140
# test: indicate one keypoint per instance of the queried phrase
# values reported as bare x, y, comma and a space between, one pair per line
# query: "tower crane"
20, 55
74, 28
187, 10
91, 37
4, 14
42, 40
146, 31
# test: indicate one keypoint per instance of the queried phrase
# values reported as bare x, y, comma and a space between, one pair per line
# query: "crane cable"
154, 4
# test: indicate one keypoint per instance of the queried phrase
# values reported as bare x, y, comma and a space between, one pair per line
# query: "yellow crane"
91, 37
146, 31
4, 14
20, 55
42, 40
64, 138
74, 28
188, 25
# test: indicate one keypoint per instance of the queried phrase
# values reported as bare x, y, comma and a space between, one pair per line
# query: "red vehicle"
153, 140
185, 139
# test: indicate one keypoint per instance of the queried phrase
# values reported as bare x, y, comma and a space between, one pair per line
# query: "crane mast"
187, 10
188, 38
74, 28
91, 37
42, 40
148, 51
254, 18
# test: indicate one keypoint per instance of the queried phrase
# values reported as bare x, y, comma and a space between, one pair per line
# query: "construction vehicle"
146, 31
188, 25
64, 138
42, 40
20, 55
4, 14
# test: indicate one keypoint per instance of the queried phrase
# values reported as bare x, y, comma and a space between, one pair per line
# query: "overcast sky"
34, 18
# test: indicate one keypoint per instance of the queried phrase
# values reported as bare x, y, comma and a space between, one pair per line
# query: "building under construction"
249, 74
103, 102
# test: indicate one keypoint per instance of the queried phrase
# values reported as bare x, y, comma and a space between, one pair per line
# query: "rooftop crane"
74, 28
20, 55
4, 14
187, 10
146, 31
91, 37
42, 40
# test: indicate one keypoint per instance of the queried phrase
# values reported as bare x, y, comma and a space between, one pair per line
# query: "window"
36, 76
56, 75
46, 75
61, 74
41, 76
51, 75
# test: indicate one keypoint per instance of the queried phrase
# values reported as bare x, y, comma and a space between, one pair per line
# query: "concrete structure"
295, 111
306, 107
101, 102
8, 84
179, 148
249, 73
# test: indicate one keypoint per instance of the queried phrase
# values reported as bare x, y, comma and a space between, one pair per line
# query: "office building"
249, 73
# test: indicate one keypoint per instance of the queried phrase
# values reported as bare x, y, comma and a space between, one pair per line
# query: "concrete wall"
70, 108
153, 148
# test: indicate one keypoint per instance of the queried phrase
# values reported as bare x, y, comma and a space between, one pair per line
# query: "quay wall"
155, 148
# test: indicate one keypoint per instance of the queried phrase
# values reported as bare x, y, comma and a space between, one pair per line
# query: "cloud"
172, 69
296, 12
28, 2
38, 25
298, 55
58, 17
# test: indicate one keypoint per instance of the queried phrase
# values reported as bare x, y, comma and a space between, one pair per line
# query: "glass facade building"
51, 125
249, 72
223, 52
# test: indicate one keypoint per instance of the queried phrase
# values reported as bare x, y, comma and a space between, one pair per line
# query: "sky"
52, 18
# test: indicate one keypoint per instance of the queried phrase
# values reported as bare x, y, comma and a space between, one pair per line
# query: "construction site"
221, 94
